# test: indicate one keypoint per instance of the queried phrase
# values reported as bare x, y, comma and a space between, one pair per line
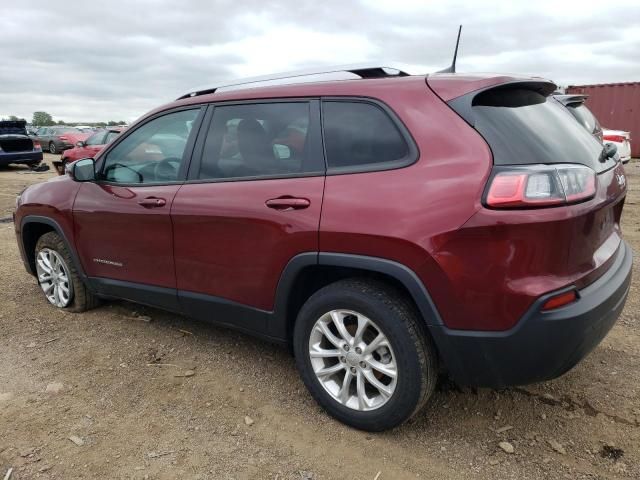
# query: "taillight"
613, 138
37, 146
540, 186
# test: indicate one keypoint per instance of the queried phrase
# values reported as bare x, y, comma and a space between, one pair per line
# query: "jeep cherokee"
386, 226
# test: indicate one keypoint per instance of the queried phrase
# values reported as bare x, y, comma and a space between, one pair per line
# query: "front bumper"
20, 157
542, 345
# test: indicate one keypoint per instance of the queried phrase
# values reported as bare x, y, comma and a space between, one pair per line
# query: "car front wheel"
363, 354
57, 276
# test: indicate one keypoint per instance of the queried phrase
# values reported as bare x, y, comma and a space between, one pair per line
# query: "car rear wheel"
52, 148
58, 278
363, 355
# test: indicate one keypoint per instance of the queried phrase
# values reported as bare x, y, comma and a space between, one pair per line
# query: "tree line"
44, 119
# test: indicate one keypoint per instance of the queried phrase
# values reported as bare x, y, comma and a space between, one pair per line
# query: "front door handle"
152, 202
288, 203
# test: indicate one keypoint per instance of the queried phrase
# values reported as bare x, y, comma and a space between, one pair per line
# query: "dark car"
584, 116
57, 139
86, 148
386, 227
16, 146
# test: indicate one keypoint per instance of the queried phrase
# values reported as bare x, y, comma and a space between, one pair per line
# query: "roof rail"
342, 72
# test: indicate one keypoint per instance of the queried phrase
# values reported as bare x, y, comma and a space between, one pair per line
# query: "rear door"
251, 204
122, 221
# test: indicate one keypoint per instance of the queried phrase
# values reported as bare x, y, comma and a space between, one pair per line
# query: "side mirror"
610, 150
80, 144
83, 170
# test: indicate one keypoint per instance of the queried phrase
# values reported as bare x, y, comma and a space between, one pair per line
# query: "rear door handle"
152, 202
287, 203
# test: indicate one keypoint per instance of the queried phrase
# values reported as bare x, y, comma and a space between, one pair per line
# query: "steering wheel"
167, 169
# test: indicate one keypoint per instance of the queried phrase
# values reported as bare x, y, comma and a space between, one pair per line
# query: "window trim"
410, 158
315, 129
187, 155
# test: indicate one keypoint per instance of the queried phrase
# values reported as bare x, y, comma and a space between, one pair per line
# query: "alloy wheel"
53, 277
353, 360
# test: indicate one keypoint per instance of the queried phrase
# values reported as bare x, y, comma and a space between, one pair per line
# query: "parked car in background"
622, 140
57, 139
584, 116
478, 234
16, 146
86, 148
86, 128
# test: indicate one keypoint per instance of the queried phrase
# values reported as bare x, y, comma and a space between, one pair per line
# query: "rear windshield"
525, 127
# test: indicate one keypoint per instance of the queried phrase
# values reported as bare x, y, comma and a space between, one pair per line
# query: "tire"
411, 354
79, 298
52, 148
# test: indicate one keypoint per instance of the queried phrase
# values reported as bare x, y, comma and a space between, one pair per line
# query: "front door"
122, 224
251, 204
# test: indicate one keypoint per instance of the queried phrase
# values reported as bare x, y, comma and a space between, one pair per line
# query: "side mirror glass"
83, 170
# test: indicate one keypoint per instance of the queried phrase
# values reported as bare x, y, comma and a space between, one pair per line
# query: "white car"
620, 139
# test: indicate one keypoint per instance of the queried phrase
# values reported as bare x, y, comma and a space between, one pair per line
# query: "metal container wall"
617, 106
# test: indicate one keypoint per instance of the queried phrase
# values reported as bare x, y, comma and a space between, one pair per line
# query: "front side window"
359, 134
153, 152
268, 139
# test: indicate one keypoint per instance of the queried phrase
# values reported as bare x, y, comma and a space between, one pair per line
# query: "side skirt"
205, 308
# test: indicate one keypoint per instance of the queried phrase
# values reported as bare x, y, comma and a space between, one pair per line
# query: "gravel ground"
130, 392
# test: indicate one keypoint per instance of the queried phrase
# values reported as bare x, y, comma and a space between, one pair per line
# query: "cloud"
89, 61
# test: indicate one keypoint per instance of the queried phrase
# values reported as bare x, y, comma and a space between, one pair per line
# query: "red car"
384, 226
86, 148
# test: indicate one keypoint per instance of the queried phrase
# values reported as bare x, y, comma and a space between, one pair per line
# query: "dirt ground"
108, 394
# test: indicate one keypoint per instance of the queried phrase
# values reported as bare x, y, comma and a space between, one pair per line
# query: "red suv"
386, 227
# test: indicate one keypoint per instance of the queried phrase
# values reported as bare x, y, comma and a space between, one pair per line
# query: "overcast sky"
98, 61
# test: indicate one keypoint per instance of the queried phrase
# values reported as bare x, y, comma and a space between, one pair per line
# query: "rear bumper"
543, 345
20, 157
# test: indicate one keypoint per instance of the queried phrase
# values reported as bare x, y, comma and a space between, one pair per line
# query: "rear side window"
361, 135
260, 140
524, 127
95, 139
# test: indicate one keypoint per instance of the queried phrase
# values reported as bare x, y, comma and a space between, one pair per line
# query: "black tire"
396, 317
52, 148
82, 299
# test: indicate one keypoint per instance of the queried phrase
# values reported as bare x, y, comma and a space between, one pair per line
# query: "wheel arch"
307, 273
32, 227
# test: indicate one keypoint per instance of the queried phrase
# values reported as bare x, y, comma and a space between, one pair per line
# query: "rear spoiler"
569, 99
463, 105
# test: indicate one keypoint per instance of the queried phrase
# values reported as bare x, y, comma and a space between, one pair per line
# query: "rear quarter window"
361, 136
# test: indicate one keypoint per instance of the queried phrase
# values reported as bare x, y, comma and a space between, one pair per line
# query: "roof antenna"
452, 67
